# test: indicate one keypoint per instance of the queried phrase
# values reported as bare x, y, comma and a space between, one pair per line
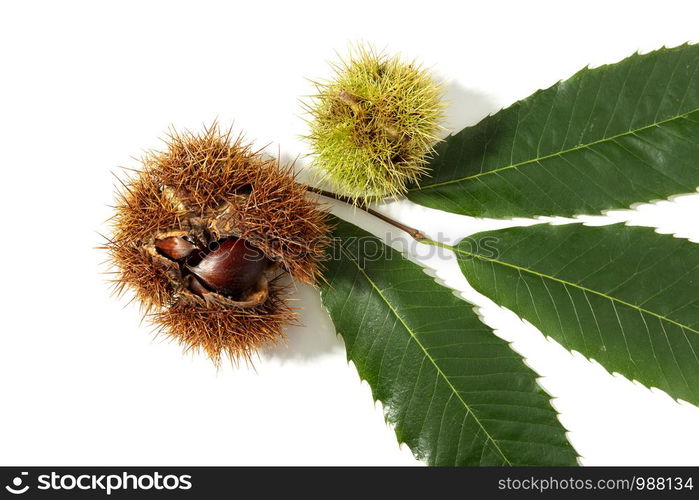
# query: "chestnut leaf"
604, 139
624, 296
455, 393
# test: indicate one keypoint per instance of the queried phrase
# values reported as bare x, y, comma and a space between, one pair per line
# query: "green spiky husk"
374, 124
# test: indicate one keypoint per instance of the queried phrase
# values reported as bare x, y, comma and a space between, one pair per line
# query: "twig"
414, 233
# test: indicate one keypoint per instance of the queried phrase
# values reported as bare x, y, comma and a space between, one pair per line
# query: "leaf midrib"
427, 355
558, 153
568, 283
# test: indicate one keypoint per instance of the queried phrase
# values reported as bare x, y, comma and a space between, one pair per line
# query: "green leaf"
624, 296
604, 139
456, 393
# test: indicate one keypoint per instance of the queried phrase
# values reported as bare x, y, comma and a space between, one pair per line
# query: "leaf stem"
414, 233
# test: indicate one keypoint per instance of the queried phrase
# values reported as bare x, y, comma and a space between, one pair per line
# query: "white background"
87, 86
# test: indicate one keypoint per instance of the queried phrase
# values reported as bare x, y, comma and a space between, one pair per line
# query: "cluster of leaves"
624, 296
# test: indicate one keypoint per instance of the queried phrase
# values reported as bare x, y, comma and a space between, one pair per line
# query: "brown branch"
414, 233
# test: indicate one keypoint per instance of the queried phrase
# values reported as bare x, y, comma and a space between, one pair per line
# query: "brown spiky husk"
220, 331
215, 181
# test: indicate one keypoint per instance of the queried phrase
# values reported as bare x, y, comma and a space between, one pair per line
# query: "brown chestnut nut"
175, 247
231, 268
